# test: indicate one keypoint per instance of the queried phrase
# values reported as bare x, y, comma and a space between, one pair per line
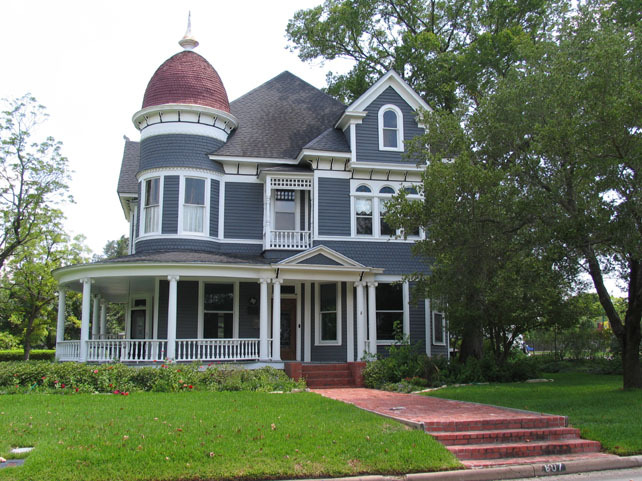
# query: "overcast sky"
89, 64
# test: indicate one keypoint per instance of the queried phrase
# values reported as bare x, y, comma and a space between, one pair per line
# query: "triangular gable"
390, 79
321, 255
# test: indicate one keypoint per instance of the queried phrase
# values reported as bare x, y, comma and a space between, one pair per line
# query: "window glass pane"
328, 294
218, 325
390, 137
219, 297
193, 218
364, 225
284, 221
386, 325
389, 297
384, 226
152, 218
152, 192
194, 191
140, 302
438, 327
329, 326
287, 195
387, 190
410, 190
390, 119
363, 188
363, 206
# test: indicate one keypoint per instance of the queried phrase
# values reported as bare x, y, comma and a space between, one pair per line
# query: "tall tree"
448, 51
33, 175
29, 289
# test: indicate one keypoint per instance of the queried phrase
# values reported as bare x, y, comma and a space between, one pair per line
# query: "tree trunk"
471, 341
27, 349
632, 372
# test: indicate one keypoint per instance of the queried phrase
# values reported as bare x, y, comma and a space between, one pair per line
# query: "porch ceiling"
117, 289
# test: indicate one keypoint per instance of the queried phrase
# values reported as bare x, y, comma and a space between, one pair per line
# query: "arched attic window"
390, 128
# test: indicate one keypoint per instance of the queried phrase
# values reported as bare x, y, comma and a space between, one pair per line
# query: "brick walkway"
478, 434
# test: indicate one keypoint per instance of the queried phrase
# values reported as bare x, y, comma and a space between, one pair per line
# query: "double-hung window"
390, 128
384, 227
218, 311
194, 205
438, 329
328, 325
363, 211
285, 210
151, 207
389, 311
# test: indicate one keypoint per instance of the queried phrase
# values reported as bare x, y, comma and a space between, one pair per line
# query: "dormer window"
194, 205
390, 128
151, 208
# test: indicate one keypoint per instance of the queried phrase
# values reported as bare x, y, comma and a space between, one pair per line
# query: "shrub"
34, 355
75, 377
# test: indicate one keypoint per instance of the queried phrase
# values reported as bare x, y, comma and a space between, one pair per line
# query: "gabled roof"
278, 118
321, 255
389, 79
127, 183
332, 140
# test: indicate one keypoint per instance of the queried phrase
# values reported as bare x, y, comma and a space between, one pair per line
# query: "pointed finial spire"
188, 42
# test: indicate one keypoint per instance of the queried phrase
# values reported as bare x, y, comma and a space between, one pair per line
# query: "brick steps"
520, 450
327, 375
505, 436
500, 441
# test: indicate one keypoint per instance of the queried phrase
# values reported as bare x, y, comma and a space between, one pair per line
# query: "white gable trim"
333, 255
390, 79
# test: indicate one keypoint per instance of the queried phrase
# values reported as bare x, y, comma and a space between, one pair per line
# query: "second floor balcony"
288, 213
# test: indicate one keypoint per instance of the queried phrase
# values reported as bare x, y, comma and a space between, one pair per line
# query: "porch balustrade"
290, 239
147, 350
68, 350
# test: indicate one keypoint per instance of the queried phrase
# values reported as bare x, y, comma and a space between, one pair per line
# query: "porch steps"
328, 375
485, 442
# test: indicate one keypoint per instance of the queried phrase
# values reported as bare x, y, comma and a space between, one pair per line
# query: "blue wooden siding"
173, 244
249, 314
179, 150
186, 309
334, 206
170, 204
367, 132
243, 210
214, 207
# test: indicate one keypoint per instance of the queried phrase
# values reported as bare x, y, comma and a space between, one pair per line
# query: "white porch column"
62, 315
276, 319
361, 322
263, 320
372, 317
103, 319
84, 323
171, 317
350, 321
95, 327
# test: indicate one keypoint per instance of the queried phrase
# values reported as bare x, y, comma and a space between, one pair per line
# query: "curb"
510, 472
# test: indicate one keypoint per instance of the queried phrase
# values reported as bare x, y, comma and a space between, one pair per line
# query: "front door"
288, 329
138, 324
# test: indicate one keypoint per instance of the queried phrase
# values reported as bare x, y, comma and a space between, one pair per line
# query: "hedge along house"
257, 229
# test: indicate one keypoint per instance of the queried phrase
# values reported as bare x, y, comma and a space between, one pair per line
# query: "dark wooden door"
288, 329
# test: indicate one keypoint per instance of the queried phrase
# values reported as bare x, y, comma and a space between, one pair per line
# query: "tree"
565, 131
33, 175
29, 289
450, 52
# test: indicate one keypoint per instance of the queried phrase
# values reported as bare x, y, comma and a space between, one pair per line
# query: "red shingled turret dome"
186, 78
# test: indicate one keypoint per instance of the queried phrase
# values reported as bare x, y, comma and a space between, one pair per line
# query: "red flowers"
95, 371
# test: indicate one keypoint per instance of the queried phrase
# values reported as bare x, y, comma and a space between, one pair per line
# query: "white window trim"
181, 205
375, 186
297, 209
143, 189
400, 137
405, 308
443, 328
317, 315
201, 307
148, 308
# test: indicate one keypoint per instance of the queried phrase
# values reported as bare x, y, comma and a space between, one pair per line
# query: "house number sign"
554, 468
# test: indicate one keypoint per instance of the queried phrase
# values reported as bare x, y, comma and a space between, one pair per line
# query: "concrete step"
493, 424
505, 436
550, 459
520, 450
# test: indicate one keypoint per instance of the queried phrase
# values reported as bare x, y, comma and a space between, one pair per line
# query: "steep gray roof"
333, 140
280, 117
127, 183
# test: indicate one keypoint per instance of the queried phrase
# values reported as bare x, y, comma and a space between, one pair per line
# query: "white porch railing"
217, 349
126, 350
68, 350
290, 239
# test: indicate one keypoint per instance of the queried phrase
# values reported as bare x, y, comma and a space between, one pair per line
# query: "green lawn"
203, 435
596, 404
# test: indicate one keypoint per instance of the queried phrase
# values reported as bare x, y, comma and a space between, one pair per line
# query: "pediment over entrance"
321, 256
